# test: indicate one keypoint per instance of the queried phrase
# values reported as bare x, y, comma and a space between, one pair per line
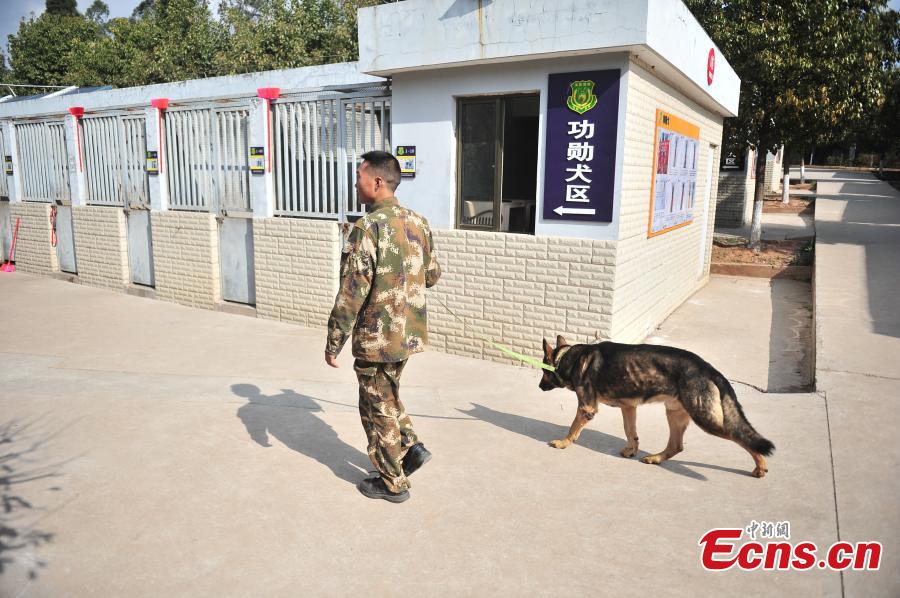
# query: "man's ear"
560, 341
548, 350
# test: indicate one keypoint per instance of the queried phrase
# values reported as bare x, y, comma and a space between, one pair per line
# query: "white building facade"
566, 154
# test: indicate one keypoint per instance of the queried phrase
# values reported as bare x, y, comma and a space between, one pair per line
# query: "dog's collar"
562, 353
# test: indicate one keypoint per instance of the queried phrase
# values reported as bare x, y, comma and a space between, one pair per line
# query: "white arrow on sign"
561, 210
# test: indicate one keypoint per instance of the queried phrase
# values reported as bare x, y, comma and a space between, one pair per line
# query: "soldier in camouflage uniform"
387, 264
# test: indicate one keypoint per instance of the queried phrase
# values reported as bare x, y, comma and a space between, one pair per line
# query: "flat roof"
431, 34
231, 86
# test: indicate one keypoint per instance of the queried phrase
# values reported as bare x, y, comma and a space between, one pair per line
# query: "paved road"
858, 360
152, 449
199, 453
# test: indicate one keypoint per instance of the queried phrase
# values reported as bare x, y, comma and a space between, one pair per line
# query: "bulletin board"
673, 188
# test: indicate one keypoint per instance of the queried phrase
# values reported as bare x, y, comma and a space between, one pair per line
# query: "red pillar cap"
160, 103
76, 111
269, 93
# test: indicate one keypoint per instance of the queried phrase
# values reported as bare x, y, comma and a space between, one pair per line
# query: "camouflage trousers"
388, 427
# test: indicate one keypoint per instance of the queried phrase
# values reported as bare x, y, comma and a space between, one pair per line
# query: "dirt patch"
772, 253
772, 204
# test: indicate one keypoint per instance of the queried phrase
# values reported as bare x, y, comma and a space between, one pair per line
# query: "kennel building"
565, 154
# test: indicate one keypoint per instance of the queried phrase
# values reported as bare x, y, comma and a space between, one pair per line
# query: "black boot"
416, 457
375, 488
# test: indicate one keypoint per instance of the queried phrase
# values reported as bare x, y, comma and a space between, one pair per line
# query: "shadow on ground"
20, 468
291, 418
791, 359
590, 439
872, 221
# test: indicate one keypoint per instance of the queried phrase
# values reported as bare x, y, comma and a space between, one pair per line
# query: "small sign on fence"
257, 160
406, 154
152, 162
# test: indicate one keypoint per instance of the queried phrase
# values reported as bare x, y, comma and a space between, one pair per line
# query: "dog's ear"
560, 341
548, 350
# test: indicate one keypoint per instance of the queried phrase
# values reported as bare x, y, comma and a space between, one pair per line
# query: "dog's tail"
727, 419
736, 423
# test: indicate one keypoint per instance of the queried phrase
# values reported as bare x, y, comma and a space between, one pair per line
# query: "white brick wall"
517, 289
769, 175
34, 253
734, 198
296, 269
186, 258
655, 275
774, 172
778, 170
101, 246
731, 201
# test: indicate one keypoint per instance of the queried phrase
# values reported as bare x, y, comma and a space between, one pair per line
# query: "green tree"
142, 8
62, 7
251, 9
98, 12
274, 34
45, 50
110, 58
807, 69
174, 40
5, 74
880, 132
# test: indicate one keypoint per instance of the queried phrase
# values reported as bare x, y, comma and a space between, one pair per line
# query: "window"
497, 163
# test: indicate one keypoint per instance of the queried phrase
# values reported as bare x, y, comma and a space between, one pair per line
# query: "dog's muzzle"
550, 381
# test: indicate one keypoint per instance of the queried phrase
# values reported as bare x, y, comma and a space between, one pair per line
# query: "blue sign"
580, 160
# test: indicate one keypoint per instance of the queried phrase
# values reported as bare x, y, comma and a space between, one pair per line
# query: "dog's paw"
628, 452
759, 473
560, 444
652, 459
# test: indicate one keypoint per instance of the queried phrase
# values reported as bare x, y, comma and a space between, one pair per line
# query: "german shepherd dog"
627, 376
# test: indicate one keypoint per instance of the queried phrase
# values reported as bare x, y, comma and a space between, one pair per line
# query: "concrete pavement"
768, 347
151, 449
858, 359
168, 451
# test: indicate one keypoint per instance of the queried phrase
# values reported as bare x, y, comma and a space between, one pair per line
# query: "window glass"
498, 150
478, 169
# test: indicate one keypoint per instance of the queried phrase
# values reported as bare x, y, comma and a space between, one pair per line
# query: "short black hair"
385, 165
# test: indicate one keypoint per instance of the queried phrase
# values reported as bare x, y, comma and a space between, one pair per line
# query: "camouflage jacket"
386, 266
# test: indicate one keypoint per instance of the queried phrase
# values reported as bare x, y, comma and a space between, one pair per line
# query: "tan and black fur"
627, 376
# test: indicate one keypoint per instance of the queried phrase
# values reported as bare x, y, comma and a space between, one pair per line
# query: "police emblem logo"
582, 98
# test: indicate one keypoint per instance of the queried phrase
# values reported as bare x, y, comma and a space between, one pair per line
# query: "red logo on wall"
710, 66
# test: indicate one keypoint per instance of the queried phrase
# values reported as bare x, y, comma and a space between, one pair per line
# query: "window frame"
499, 120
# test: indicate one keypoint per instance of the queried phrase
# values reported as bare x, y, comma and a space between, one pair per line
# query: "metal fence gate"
44, 173
319, 140
231, 151
4, 188
207, 150
188, 156
44, 162
114, 150
114, 147
367, 127
5, 218
6, 228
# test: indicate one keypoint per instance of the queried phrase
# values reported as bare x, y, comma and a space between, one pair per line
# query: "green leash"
523, 358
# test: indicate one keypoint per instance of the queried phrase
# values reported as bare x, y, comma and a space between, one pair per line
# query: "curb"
803, 273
